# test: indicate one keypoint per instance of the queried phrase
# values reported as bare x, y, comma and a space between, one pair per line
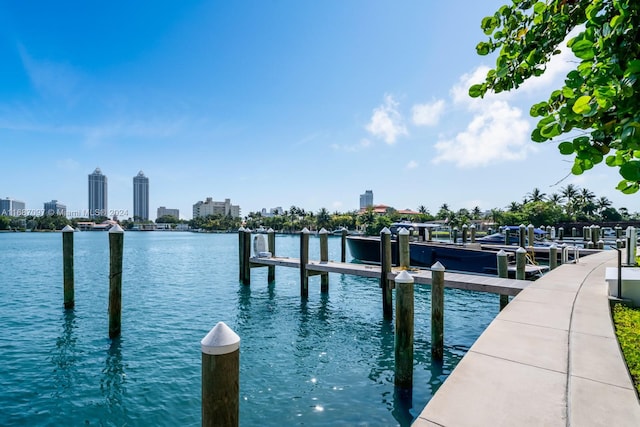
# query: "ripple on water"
326, 361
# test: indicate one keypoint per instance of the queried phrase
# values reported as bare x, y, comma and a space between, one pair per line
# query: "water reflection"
244, 304
402, 404
65, 357
112, 383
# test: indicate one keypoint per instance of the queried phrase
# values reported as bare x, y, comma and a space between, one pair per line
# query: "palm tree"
323, 218
570, 192
556, 199
536, 196
514, 207
476, 212
422, 209
603, 203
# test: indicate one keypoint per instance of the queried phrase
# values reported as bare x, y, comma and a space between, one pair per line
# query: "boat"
514, 239
469, 258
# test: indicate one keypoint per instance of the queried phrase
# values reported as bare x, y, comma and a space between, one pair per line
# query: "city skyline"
298, 113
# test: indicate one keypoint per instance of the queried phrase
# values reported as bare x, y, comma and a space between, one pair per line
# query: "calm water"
326, 361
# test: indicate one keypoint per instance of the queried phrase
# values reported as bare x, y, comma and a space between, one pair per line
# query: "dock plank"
472, 282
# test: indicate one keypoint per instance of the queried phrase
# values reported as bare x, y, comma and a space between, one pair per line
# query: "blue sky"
268, 103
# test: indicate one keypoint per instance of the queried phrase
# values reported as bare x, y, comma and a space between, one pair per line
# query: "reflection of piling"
437, 311
304, 260
385, 268
503, 272
271, 243
404, 331
220, 377
67, 265
116, 243
324, 257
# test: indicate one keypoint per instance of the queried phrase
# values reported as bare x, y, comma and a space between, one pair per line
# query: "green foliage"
599, 97
379, 223
4, 222
167, 219
627, 321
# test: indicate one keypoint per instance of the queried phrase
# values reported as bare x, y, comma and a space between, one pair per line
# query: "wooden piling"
507, 236
67, 267
574, 232
465, 232
271, 245
522, 230
472, 230
324, 257
521, 262
561, 233
404, 331
455, 234
385, 268
503, 272
220, 377
304, 260
437, 311
404, 259
246, 253
553, 256
343, 245
241, 254
530, 235
116, 243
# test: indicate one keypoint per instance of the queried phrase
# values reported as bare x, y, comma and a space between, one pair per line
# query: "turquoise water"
324, 361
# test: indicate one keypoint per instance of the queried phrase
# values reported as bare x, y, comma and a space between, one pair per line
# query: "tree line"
570, 205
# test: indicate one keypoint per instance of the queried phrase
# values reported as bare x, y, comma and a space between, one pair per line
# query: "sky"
269, 103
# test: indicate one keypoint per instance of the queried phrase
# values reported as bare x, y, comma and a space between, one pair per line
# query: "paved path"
550, 358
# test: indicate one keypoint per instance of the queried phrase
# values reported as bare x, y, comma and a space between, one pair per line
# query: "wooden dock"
471, 282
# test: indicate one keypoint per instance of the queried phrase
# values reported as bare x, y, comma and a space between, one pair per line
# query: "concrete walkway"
550, 358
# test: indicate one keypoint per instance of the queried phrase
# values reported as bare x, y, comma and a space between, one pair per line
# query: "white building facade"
211, 207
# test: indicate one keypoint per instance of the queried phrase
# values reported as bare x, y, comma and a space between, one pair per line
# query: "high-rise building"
55, 208
140, 197
11, 207
211, 207
97, 194
366, 199
163, 211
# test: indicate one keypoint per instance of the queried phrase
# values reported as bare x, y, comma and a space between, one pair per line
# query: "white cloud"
497, 132
362, 145
412, 164
428, 114
386, 121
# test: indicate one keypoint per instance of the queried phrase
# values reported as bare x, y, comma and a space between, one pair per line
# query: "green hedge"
627, 321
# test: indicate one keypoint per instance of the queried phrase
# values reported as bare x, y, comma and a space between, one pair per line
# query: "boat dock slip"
470, 282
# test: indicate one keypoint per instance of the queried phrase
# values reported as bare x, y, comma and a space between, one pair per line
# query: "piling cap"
220, 340
323, 231
553, 246
404, 277
67, 228
270, 230
403, 232
241, 229
521, 250
501, 253
116, 229
437, 266
305, 231
385, 231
